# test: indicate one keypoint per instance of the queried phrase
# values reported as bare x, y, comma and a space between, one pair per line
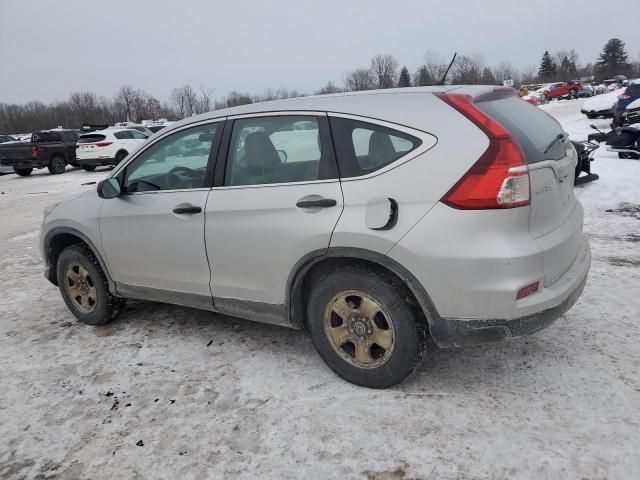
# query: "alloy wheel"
80, 288
359, 329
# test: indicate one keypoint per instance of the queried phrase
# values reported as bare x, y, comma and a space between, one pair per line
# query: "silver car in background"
369, 219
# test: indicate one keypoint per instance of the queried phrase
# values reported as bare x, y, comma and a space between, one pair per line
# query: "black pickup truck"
53, 149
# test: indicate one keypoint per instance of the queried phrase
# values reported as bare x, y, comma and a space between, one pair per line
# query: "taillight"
624, 97
528, 290
34, 151
500, 178
103, 144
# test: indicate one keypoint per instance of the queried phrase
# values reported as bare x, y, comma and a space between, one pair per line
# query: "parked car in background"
54, 149
600, 106
563, 89
357, 217
155, 128
627, 108
587, 92
6, 168
107, 147
135, 126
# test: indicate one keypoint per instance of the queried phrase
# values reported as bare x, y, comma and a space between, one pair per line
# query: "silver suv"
372, 220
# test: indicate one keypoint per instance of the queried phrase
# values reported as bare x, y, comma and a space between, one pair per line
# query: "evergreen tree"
548, 68
405, 79
423, 77
614, 58
488, 78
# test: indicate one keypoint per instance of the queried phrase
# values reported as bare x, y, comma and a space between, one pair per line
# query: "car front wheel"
363, 327
84, 286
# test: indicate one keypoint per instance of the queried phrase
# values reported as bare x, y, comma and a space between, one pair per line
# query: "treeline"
383, 71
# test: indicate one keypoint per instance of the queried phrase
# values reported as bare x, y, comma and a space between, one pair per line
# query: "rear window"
46, 137
363, 147
91, 138
532, 127
633, 90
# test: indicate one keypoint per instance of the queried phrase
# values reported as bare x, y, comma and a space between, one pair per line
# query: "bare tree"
467, 70
330, 87
505, 71
360, 79
205, 99
435, 65
125, 98
384, 69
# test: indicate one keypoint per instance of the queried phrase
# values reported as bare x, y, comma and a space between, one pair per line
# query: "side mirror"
283, 155
109, 188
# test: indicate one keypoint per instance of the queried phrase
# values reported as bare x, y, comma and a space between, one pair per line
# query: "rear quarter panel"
416, 185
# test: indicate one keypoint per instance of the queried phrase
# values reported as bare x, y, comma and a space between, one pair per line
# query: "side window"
277, 149
121, 135
138, 135
176, 162
364, 147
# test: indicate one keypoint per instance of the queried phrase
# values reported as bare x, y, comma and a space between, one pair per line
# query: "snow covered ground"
169, 392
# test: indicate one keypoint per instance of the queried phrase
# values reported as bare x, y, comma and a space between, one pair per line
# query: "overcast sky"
50, 49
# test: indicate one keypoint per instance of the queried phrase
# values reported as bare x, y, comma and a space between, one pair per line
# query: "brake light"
528, 290
34, 151
500, 178
103, 144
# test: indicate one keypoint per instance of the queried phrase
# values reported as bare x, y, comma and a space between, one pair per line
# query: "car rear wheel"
23, 172
363, 327
120, 156
89, 168
57, 165
84, 287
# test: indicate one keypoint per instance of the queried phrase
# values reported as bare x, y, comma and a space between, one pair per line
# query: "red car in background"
563, 89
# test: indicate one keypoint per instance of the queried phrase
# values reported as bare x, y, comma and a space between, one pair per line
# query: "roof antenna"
444, 77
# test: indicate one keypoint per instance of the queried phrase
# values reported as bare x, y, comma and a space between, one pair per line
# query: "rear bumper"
23, 163
552, 301
96, 162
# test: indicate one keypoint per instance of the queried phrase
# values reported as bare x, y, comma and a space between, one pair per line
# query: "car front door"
153, 234
276, 199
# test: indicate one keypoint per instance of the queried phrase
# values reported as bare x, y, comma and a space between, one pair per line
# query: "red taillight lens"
34, 151
103, 144
528, 290
500, 178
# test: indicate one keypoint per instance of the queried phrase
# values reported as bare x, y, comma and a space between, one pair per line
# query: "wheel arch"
315, 263
59, 238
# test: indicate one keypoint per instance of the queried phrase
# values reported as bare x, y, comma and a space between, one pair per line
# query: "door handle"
320, 203
187, 209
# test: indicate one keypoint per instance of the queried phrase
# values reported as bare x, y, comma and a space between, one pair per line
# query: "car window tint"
364, 147
176, 162
138, 135
278, 149
91, 138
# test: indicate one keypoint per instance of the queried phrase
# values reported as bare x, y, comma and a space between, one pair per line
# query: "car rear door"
276, 198
556, 216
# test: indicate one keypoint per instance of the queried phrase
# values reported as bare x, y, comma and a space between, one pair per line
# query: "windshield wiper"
560, 137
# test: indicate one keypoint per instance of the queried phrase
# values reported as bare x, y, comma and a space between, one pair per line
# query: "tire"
89, 168
121, 155
90, 301
23, 172
573, 94
57, 165
396, 324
